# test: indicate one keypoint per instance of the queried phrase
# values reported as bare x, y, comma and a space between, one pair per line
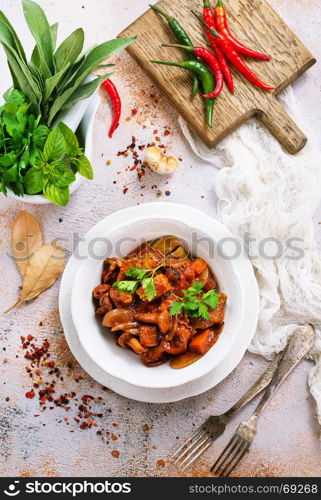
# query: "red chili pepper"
226, 70
222, 27
228, 50
116, 102
207, 56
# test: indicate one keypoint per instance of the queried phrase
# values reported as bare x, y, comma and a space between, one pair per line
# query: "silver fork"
214, 426
298, 347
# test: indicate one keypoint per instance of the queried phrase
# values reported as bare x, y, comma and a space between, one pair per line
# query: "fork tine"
245, 450
186, 443
238, 446
216, 465
195, 449
201, 451
185, 453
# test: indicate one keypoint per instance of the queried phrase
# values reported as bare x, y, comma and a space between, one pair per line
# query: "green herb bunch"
141, 277
35, 159
193, 303
53, 79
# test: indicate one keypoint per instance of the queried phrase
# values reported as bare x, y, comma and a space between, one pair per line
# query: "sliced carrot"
199, 265
203, 341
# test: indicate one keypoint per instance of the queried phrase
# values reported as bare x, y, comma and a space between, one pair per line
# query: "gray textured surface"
41, 445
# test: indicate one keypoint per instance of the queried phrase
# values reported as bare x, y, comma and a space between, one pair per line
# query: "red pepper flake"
125, 190
134, 111
114, 437
145, 428
83, 426
30, 394
30, 337
115, 453
161, 463
166, 133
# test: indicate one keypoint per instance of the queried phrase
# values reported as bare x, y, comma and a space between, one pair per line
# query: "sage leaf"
10, 37
98, 54
84, 91
70, 49
91, 61
53, 33
40, 29
24, 79
52, 82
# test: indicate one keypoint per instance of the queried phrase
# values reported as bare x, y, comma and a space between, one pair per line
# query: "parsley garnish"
194, 306
141, 277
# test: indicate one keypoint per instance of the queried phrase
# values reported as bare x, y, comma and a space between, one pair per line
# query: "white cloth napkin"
265, 192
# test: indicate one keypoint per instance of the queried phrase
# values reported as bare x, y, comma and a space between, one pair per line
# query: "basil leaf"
36, 158
33, 181
60, 174
55, 146
72, 145
40, 136
58, 195
40, 29
84, 167
70, 49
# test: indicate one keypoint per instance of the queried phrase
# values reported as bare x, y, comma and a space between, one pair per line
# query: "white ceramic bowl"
148, 222
80, 118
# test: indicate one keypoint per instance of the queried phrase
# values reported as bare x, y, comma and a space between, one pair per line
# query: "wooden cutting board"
256, 24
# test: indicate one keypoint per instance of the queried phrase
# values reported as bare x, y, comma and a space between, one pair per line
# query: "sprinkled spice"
145, 428
161, 463
115, 453
45, 375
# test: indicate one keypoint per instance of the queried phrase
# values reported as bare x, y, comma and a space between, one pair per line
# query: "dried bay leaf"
26, 239
44, 268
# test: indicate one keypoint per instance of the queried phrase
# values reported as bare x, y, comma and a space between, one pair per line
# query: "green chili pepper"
206, 78
180, 35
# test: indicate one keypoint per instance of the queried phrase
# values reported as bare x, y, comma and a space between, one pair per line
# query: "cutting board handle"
282, 126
